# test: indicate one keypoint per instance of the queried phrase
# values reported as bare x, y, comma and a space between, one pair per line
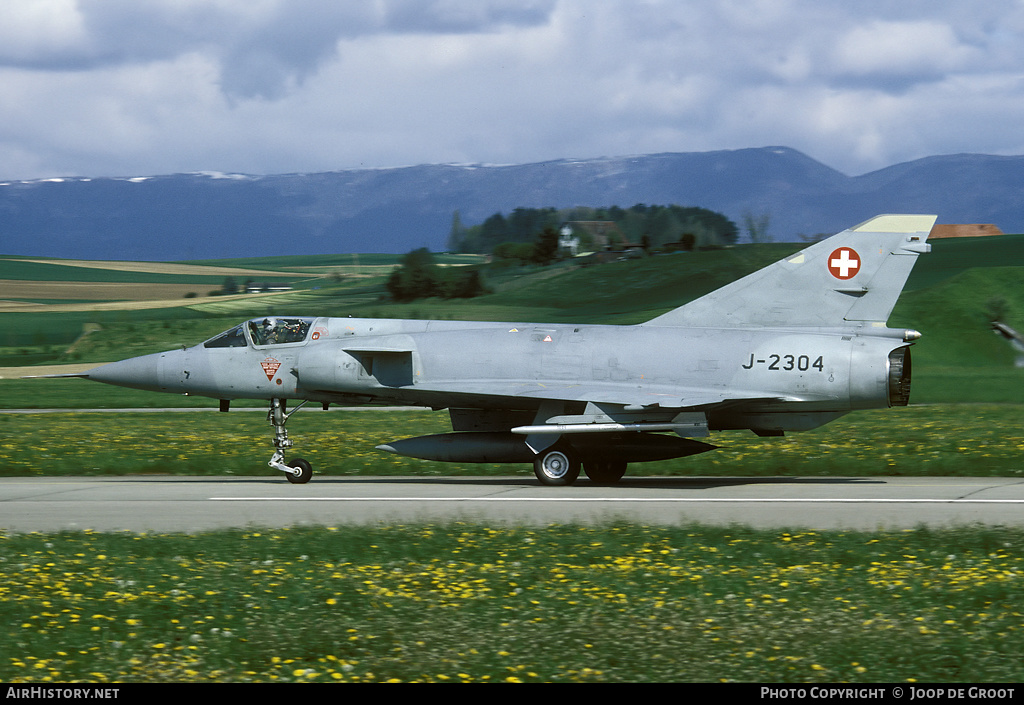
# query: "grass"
55, 271
934, 384
30, 330
953, 318
331, 262
468, 603
956, 439
950, 257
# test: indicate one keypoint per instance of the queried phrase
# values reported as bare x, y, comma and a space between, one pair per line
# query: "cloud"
916, 48
125, 87
40, 32
263, 45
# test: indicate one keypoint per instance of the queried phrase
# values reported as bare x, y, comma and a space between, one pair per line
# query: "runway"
190, 504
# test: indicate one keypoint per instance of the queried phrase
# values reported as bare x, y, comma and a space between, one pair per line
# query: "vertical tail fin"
855, 276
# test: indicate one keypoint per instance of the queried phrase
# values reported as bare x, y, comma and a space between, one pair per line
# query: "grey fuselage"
791, 379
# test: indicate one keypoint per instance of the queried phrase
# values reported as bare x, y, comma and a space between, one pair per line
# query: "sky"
147, 87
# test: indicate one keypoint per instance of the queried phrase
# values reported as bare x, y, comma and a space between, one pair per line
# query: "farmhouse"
971, 230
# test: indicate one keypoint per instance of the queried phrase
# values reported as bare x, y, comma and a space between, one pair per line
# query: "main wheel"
305, 472
556, 467
605, 472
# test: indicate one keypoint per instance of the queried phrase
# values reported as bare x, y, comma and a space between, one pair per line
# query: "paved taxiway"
183, 504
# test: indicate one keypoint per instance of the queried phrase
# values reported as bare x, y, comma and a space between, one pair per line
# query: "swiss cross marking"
270, 366
844, 263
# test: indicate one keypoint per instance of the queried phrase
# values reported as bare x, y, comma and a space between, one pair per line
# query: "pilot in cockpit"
269, 331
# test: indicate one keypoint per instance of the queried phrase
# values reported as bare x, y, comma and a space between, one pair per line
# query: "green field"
941, 439
947, 298
464, 603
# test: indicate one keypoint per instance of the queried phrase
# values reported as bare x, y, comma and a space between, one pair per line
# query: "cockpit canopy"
269, 330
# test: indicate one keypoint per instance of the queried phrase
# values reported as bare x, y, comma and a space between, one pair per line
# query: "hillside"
959, 359
215, 216
946, 298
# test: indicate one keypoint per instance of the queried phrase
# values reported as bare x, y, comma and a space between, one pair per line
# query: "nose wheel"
298, 471
301, 471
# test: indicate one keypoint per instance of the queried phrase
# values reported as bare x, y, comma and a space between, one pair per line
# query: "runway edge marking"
747, 500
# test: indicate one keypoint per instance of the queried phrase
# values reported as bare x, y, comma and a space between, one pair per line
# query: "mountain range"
212, 215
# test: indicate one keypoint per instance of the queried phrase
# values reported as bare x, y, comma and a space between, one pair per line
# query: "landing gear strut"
298, 471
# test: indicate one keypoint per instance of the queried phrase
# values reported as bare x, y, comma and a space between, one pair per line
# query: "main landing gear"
298, 471
560, 466
556, 467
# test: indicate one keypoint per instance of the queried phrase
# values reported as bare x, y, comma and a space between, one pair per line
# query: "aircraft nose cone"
136, 372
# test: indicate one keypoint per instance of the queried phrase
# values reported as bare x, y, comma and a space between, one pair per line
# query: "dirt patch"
18, 372
99, 291
162, 268
130, 300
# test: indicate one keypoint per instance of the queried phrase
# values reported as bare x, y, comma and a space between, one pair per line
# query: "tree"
522, 252
460, 285
662, 224
525, 223
457, 235
757, 226
494, 231
665, 227
415, 278
419, 277
546, 248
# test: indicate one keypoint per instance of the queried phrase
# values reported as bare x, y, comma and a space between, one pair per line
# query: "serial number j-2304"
787, 363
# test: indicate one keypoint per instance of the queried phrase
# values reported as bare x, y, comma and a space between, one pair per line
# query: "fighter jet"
790, 347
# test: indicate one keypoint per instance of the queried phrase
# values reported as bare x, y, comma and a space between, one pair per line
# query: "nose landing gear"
298, 471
